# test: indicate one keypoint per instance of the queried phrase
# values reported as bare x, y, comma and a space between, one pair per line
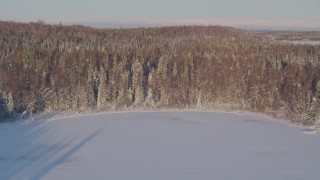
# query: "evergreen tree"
137, 83
149, 100
102, 94
10, 104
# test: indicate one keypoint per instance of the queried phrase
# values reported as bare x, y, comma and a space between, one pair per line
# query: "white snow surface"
158, 145
302, 42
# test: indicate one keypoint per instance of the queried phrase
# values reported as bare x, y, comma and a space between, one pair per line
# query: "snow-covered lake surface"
158, 145
303, 42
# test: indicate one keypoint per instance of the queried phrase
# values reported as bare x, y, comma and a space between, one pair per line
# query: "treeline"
54, 67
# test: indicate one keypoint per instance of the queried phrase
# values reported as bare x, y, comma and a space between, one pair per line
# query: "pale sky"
285, 14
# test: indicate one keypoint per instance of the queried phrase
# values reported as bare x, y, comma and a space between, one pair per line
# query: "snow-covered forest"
54, 67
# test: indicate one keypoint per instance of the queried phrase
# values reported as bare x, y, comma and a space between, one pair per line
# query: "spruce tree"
137, 83
10, 104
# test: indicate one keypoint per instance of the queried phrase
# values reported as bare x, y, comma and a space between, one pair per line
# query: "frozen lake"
303, 42
158, 145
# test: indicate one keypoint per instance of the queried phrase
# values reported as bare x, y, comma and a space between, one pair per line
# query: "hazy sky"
267, 13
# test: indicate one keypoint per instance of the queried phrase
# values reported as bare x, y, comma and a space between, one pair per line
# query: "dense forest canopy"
54, 67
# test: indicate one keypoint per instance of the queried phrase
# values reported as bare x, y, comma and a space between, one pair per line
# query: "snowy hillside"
47, 67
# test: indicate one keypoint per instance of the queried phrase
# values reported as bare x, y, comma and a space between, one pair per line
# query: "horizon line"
247, 24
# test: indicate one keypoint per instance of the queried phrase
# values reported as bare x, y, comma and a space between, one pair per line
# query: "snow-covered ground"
303, 42
158, 145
